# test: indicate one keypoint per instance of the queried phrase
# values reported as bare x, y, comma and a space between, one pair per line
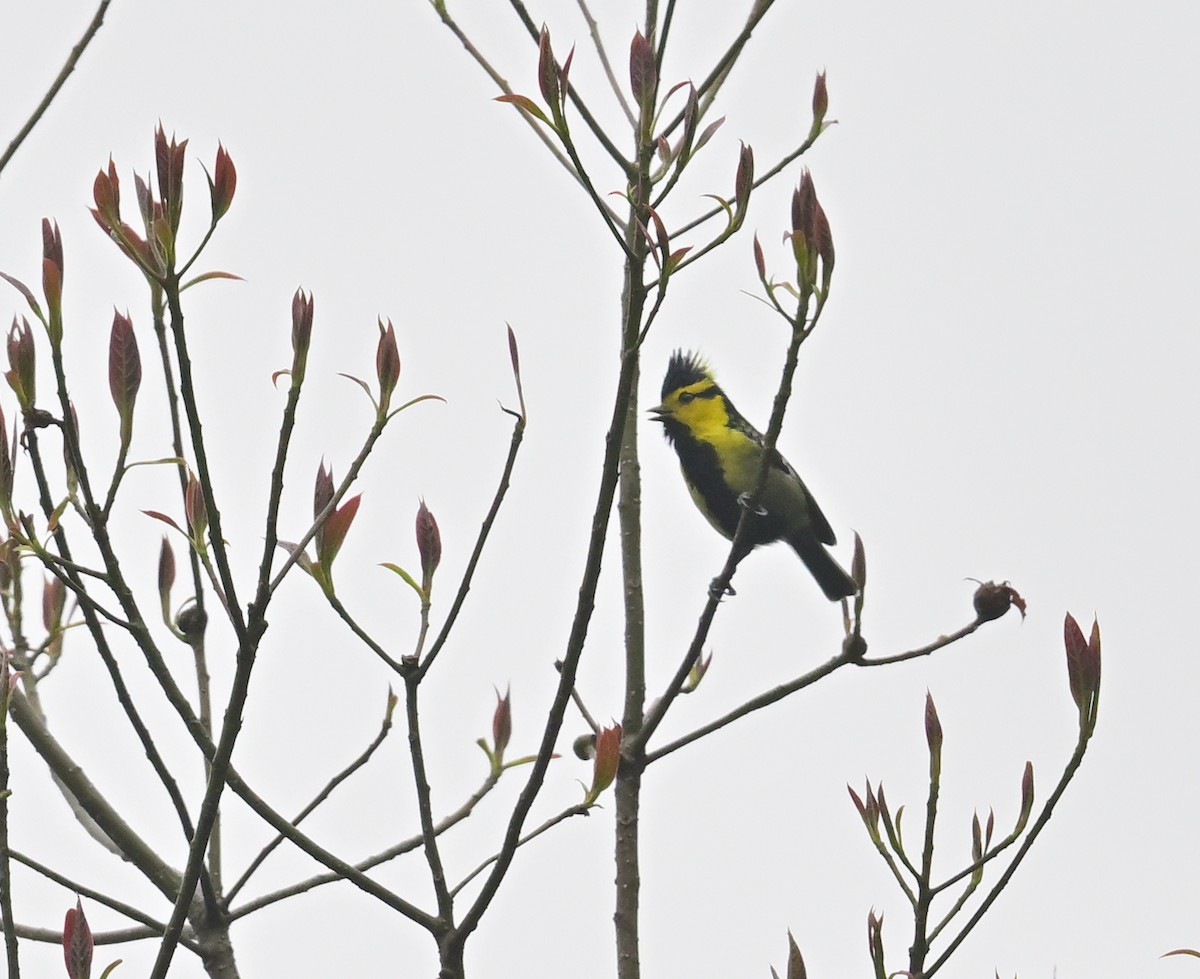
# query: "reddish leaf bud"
744, 181
1026, 797
501, 723
146, 202
52, 276
548, 72
169, 159
606, 762
795, 966
1092, 660
643, 75
223, 184
811, 237
334, 531
322, 493
124, 372
106, 192
77, 943
7, 462
54, 600
858, 566
387, 364
1083, 665
1076, 647
933, 726
195, 509
820, 105
166, 575
429, 545
302, 322
875, 939
22, 360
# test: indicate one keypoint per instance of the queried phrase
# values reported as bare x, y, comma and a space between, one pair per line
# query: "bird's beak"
659, 413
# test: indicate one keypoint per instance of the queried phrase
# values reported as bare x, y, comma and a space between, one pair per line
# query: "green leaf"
521, 102
204, 277
406, 576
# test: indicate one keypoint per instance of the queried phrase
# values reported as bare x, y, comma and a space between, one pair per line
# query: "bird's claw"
746, 501
716, 591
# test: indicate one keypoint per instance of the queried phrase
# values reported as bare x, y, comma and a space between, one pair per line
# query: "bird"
720, 454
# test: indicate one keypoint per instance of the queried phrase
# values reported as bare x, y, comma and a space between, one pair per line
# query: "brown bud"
124, 372
501, 723
222, 184
302, 321
643, 75
933, 726
387, 364
166, 574
195, 509
429, 545
820, 105
548, 72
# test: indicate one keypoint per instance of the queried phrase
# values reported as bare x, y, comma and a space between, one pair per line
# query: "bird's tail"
830, 575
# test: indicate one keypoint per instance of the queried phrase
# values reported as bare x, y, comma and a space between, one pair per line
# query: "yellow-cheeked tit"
720, 454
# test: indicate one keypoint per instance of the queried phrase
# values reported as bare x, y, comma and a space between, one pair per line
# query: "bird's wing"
818, 522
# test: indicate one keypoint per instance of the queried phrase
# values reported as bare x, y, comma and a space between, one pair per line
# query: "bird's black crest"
683, 369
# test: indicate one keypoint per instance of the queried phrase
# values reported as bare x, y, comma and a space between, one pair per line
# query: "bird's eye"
685, 397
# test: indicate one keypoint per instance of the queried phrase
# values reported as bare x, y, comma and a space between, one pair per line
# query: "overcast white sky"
1003, 387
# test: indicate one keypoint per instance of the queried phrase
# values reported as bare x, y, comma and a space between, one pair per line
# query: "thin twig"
579, 809
477, 552
320, 797
396, 850
63, 74
573, 94
602, 54
938, 643
153, 927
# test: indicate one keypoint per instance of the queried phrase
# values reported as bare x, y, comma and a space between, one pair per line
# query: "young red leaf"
22, 359
337, 524
124, 372
1076, 647
164, 518
77, 943
606, 761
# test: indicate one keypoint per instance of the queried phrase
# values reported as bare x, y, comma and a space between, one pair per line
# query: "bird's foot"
746, 501
716, 591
